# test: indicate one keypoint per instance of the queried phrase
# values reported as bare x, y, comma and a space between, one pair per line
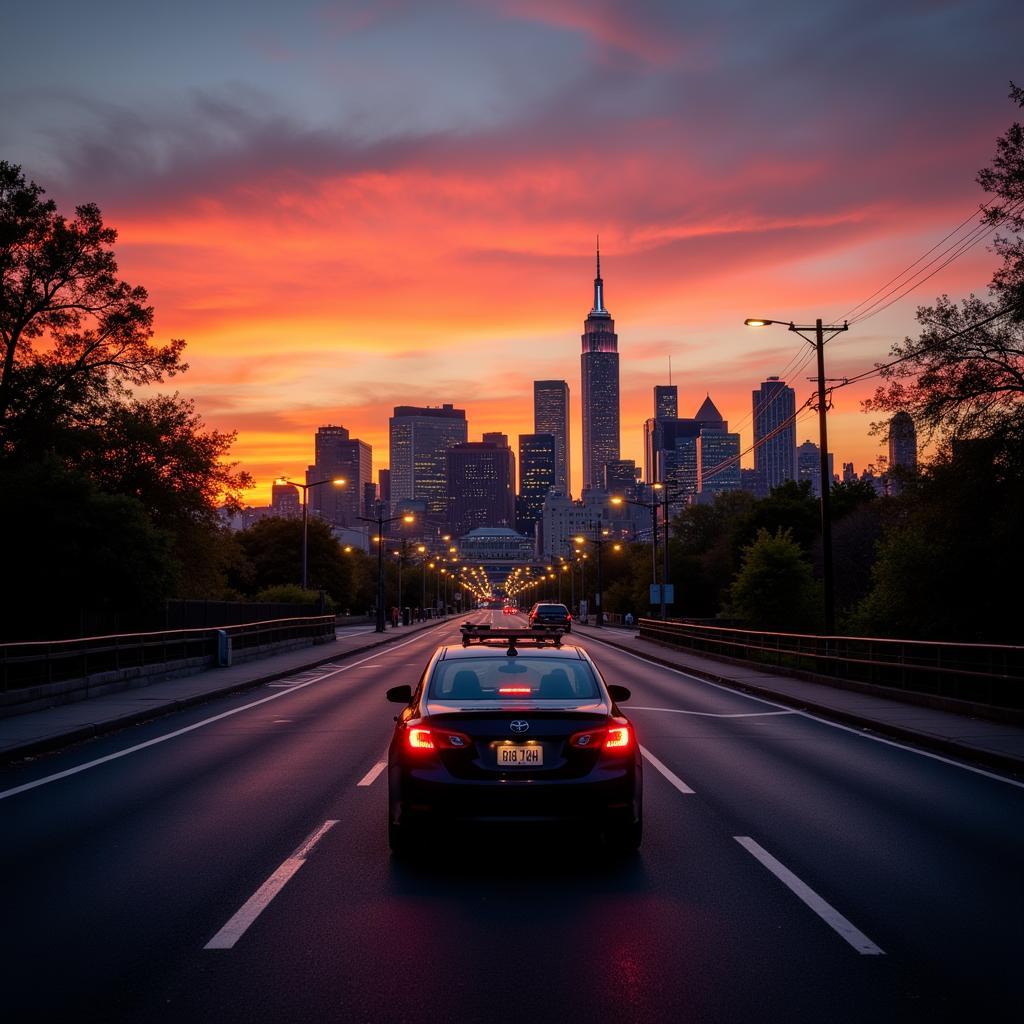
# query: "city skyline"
347, 207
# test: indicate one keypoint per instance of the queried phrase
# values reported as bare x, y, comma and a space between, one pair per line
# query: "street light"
599, 540
826, 480
338, 482
652, 507
381, 522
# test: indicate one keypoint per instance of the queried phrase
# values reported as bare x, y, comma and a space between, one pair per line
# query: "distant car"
513, 729
509, 610
551, 615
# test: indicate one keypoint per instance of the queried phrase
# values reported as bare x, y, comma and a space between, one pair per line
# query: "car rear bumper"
431, 801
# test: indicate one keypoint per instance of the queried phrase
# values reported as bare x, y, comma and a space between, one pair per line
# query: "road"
229, 863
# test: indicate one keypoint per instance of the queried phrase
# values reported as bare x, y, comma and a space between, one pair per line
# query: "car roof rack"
502, 636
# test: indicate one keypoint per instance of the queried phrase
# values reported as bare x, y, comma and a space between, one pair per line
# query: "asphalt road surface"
230, 863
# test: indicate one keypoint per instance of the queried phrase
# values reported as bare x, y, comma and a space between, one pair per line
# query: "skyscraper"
537, 462
419, 440
902, 442
551, 416
338, 455
808, 466
774, 456
599, 367
480, 486
666, 402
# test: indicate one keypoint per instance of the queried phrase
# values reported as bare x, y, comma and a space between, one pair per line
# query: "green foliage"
70, 549
290, 593
273, 550
775, 589
74, 340
849, 496
950, 562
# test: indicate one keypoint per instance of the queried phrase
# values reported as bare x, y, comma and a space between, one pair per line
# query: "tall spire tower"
599, 366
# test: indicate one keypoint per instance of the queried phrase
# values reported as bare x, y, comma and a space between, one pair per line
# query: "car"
509, 610
513, 727
548, 614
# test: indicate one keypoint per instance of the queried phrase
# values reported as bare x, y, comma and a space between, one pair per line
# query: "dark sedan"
551, 615
513, 731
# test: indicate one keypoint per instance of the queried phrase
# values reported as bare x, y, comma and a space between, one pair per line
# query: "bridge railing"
988, 674
52, 661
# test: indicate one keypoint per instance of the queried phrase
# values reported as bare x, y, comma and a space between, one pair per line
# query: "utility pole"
826, 487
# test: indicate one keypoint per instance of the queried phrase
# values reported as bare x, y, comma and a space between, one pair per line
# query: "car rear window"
552, 609
505, 678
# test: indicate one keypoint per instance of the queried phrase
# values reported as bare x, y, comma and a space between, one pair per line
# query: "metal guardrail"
52, 661
991, 674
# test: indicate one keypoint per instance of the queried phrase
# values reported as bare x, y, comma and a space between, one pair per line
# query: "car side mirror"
619, 694
400, 694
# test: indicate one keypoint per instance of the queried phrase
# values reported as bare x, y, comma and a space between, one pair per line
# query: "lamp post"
338, 482
381, 522
818, 344
652, 507
422, 549
599, 541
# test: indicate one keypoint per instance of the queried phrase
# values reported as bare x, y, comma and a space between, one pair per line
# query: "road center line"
4, 794
824, 910
371, 775
711, 714
668, 773
813, 718
260, 899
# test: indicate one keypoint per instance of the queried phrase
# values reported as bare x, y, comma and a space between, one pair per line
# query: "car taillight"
514, 689
422, 738
617, 739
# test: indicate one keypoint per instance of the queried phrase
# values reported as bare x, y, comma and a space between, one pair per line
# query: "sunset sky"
347, 206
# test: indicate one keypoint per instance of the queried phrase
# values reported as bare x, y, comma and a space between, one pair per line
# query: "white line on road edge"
4, 794
260, 899
371, 775
670, 775
711, 714
814, 718
825, 911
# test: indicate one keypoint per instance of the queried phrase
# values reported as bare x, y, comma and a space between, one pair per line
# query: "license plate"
520, 755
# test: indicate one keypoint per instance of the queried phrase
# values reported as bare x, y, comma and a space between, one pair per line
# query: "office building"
599, 368
538, 457
621, 478
718, 462
551, 416
774, 410
338, 456
480, 486
902, 450
666, 402
285, 502
419, 441
808, 466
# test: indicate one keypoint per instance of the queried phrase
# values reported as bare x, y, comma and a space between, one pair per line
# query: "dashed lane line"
667, 772
260, 899
370, 777
839, 924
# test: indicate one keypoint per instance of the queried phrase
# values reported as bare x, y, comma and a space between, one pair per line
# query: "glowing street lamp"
338, 482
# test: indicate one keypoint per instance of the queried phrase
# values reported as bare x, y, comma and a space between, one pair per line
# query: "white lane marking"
815, 718
371, 775
823, 909
4, 794
667, 772
260, 899
711, 714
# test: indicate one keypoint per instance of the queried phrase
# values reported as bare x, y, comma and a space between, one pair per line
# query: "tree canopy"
962, 378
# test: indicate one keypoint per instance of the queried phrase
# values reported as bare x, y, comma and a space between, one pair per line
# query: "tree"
775, 589
72, 334
273, 548
963, 376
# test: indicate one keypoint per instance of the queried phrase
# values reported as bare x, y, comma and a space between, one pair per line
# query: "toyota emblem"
519, 725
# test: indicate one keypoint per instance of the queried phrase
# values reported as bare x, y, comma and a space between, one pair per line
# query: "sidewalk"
53, 728
991, 744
